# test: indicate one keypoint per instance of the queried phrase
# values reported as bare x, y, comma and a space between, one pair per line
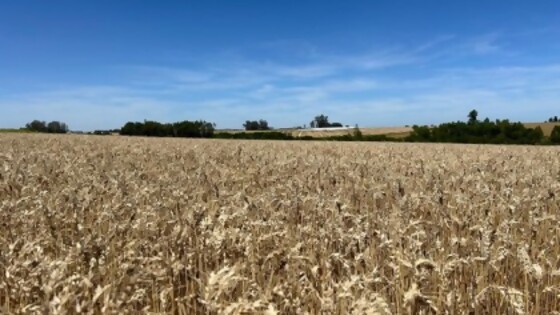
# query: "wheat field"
117, 225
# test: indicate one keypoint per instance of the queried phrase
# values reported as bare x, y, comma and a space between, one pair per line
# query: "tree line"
190, 129
43, 126
320, 121
251, 125
486, 131
470, 131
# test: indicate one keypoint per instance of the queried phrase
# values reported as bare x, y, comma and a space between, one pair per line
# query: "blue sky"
98, 64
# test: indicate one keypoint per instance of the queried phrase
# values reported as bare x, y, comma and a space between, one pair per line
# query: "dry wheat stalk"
116, 225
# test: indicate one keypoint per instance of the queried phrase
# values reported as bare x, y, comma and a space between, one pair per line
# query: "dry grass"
117, 225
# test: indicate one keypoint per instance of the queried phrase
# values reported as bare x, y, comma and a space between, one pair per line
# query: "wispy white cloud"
221, 75
486, 44
314, 91
438, 41
84, 107
388, 87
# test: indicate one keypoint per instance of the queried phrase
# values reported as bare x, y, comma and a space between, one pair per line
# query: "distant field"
393, 132
389, 131
8, 130
399, 132
546, 127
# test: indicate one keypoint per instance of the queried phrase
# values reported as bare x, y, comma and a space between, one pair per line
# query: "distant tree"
420, 134
473, 116
51, 127
555, 118
57, 127
263, 125
535, 136
500, 131
251, 125
256, 125
320, 121
555, 135
132, 129
37, 125
357, 133
192, 129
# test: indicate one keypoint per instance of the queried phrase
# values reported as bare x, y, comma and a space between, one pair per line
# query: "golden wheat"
116, 225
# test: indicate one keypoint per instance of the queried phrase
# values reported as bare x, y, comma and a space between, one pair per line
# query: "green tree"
357, 133
57, 127
555, 135
421, 134
473, 116
256, 125
500, 131
322, 121
37, 125
51, 127
193, 129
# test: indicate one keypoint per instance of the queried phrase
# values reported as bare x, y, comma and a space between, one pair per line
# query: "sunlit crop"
117, 225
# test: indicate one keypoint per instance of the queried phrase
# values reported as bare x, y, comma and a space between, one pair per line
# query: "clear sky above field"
98, 64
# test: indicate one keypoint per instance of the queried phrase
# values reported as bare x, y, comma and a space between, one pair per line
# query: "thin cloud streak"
352, 89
